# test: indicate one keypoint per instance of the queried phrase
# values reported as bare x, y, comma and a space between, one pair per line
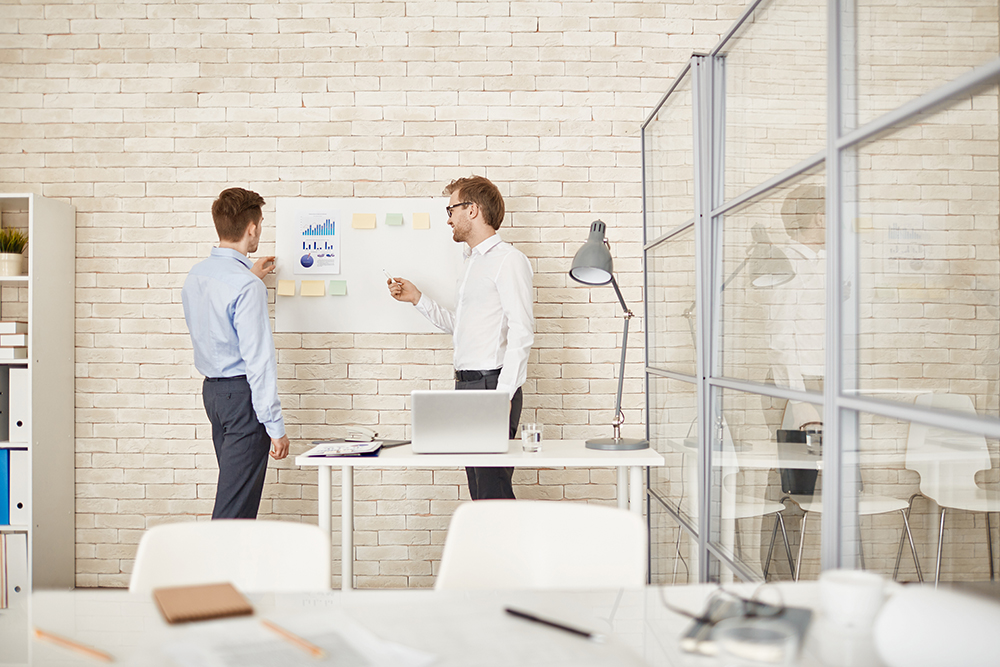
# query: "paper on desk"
247, 643
341, 448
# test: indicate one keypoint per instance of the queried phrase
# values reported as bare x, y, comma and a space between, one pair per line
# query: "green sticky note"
394, 219
338, 288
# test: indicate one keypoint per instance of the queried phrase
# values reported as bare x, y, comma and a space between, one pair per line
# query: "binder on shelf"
4, 603
19, 485
4, 487
4, 403
20, 401
8, 353
16, 551
14, 340
11, 327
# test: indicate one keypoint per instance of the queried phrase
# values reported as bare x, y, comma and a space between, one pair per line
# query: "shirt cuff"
507, 388
276, 429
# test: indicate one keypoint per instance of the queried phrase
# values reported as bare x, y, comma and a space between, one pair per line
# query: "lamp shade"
592, 263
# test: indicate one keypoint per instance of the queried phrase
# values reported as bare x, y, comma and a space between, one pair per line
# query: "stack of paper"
13, 340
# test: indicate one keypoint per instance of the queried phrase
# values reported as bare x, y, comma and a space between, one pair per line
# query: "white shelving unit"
45, 298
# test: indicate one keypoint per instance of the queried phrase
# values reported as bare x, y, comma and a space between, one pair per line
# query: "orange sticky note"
421, 220
286, 288
363, 221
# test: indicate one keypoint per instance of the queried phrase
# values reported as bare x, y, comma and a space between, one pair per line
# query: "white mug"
851, 598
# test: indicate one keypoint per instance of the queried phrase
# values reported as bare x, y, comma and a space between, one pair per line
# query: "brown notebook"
179, 604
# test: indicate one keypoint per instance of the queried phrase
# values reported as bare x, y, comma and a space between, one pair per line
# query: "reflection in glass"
928, 239
775, 69
774, 291
673, 432
906, 48
950, 478
670, 304
674, 550
746, 493
668, 161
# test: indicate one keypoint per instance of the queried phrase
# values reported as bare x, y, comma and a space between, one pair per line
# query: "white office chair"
538, 544
255, 556
947, 462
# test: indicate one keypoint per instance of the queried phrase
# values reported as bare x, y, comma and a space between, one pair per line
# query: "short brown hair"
234, 211
483, 193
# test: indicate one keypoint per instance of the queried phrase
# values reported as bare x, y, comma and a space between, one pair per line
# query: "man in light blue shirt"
225, 306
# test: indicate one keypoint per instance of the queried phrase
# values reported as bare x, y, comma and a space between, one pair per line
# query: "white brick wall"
140, 113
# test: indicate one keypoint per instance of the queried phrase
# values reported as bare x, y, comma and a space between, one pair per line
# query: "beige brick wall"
139, 113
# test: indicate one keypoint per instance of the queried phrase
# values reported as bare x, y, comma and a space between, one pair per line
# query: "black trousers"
241, 447
493, 482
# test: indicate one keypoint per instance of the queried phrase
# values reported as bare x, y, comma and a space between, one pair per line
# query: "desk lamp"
592, 265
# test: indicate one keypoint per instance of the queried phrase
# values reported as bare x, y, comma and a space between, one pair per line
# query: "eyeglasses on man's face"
454, 206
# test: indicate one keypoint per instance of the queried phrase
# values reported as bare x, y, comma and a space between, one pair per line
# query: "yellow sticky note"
338, 288
286, 288
313, 288
363, 221
421, 220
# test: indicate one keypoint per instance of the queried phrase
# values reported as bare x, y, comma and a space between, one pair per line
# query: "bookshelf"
37, 404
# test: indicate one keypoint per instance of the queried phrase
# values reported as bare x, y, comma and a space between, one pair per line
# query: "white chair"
947, 462
538, 544
255, 556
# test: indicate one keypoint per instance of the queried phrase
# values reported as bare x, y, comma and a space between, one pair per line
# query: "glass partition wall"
822, 271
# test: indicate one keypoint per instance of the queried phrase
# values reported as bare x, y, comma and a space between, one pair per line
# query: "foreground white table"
554, 454
457, 628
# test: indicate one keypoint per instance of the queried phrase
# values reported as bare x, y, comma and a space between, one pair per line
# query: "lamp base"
618, 444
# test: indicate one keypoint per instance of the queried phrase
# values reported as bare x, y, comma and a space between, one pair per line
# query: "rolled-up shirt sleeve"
514, 287
256, 343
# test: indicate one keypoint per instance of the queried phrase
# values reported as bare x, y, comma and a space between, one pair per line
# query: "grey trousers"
493, 482
241, 447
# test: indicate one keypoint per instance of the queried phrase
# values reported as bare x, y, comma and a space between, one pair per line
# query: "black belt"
235, 377
472, 376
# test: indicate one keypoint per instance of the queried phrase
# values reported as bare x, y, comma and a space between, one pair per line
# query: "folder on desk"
180, 604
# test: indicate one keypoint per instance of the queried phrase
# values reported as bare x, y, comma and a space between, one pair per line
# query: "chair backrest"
538, 544
255, 556
947, 461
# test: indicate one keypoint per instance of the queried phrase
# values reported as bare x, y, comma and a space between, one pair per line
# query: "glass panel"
774, 287
670, 304
951, 470
675, 550
775, 98
673, 432
929, 271
668, 160
749, 469
909, 47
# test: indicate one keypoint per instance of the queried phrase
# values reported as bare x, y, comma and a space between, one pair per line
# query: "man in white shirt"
493, 326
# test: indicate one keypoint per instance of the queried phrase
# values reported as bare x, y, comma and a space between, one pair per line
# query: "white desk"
458, 628
554, 454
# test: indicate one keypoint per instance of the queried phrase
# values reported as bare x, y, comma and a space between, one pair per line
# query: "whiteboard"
317, 240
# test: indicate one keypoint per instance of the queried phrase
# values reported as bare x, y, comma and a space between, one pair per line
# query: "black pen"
552, 624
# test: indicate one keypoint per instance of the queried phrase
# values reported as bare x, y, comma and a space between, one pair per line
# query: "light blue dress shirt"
225, 307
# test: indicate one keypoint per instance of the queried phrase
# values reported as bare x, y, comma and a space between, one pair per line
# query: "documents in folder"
179, 604
343, 448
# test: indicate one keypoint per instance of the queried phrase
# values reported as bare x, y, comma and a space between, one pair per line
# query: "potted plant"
12, 244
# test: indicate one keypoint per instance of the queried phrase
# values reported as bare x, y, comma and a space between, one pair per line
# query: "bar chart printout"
318, 249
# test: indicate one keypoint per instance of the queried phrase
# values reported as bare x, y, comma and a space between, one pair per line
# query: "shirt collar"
233, 254
487, 245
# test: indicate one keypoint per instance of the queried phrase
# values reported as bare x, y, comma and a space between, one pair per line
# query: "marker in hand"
389, 276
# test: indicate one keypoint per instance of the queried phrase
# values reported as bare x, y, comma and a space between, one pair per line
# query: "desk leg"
635, 490
347, 528
623, 487
324, 488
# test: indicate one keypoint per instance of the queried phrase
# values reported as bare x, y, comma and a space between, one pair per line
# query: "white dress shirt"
493, 325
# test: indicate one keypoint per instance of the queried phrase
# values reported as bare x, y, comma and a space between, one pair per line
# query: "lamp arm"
619, 417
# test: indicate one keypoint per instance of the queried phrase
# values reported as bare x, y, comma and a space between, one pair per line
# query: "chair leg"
989, 544
784, 538
937, 568
899, 552
861, 545
802, 542
677, 551
913, 550
770, 549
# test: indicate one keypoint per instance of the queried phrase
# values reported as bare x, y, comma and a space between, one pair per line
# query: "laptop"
459, 422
